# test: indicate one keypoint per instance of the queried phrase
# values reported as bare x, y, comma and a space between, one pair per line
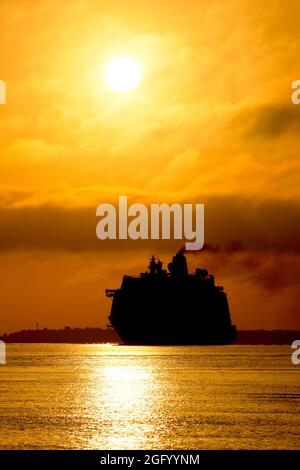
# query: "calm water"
124, 397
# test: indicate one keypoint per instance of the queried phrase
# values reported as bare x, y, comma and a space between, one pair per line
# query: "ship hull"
167, 340
173, 311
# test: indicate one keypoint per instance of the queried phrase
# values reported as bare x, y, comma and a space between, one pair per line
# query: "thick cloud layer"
272, 225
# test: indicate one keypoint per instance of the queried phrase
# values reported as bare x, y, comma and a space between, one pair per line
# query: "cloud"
271, 225
267, 121
35, 151
210, 122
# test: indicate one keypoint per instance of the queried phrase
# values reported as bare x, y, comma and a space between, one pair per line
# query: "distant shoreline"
69, 335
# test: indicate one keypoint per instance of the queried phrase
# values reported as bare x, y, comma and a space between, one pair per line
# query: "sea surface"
130, 397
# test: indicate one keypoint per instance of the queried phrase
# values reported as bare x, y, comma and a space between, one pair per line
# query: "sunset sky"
210, 122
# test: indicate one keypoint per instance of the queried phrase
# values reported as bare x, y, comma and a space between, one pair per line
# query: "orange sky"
211, 121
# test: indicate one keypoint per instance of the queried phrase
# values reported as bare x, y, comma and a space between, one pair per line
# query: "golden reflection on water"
181, 398
115, 397
129, 394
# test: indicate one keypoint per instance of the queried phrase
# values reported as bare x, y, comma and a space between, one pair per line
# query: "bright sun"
122, 74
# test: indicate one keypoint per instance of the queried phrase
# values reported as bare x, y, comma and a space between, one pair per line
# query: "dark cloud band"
231, 223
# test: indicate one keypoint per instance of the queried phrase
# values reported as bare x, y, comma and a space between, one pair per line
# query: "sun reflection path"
126, 403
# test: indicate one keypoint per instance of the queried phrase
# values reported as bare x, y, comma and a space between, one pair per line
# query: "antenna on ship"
152, 265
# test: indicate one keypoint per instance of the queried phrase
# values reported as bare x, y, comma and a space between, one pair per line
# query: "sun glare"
122, 74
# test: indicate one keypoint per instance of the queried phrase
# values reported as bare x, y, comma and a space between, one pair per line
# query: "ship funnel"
178, 266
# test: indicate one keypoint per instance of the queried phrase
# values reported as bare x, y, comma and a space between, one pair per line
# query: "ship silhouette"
171, 307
